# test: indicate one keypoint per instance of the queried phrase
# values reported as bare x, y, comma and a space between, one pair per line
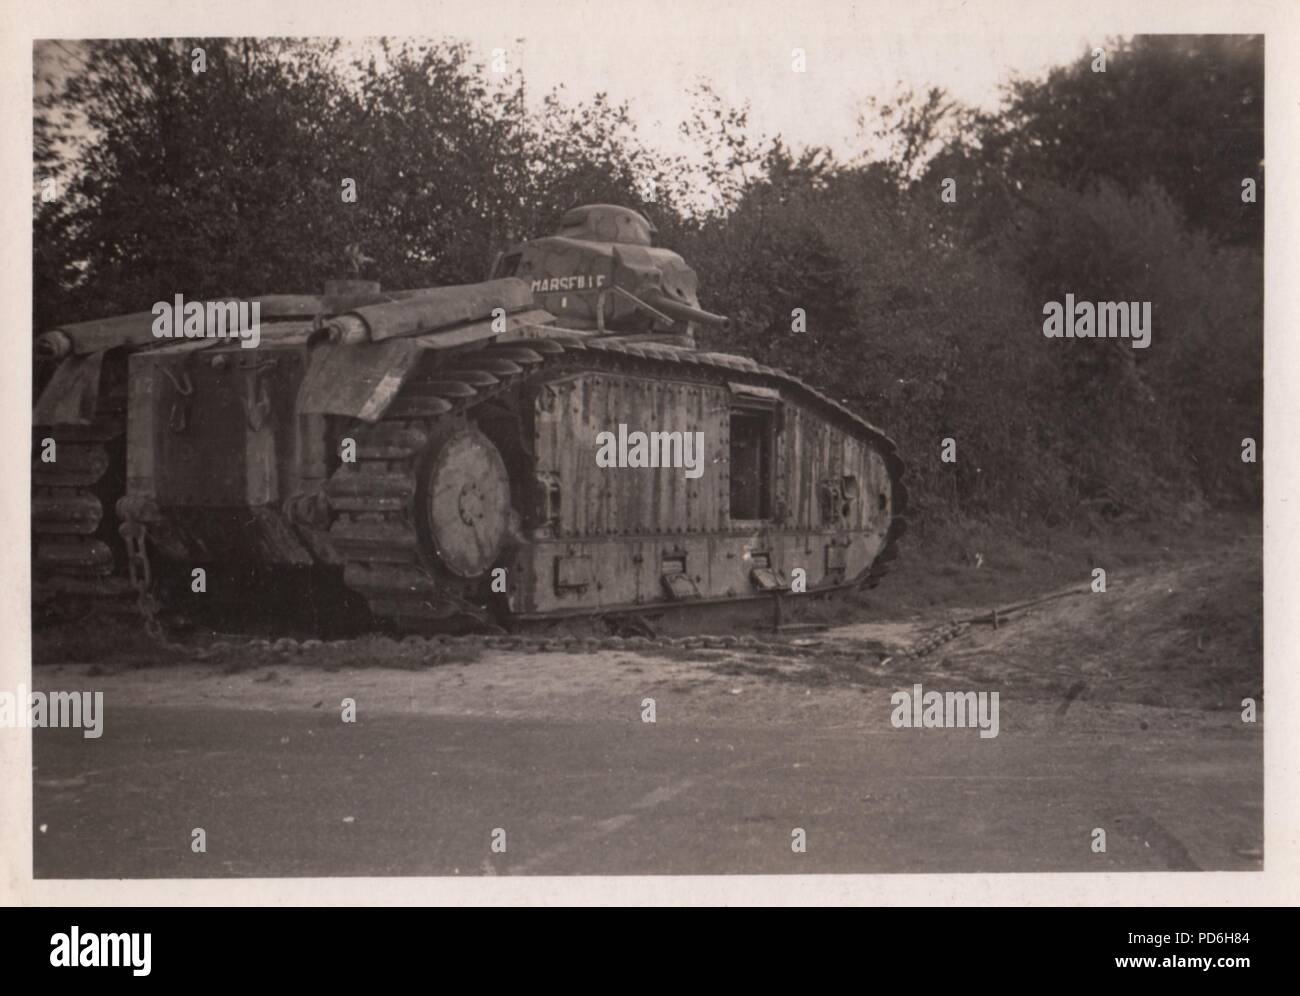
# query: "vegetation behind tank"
925, 317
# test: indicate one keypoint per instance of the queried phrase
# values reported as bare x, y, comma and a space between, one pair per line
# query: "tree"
1183, 112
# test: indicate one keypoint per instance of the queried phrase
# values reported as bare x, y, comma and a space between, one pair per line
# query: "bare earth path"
1118, 711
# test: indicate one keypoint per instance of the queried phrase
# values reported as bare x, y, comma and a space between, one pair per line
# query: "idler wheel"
463, 502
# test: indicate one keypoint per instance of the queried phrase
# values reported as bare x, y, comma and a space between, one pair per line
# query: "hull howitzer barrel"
545, 443
431, 309
134, 330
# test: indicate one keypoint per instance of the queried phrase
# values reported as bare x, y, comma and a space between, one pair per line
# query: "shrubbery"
923, 315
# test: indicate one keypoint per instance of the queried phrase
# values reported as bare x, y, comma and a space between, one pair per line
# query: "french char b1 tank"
441, 449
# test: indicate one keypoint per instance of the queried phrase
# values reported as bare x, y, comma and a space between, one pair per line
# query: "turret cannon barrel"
680, 311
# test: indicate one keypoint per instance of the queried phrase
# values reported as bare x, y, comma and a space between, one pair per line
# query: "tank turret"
602, 271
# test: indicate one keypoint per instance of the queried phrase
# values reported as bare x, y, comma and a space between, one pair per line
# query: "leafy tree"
1183, 112
923, 315
193, 183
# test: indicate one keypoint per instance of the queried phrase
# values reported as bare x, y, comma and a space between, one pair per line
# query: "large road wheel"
462, 502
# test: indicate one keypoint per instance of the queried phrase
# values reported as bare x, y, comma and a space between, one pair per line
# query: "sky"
846, 63
650, 54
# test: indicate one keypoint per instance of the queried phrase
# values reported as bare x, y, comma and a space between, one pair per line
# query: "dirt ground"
1144, 680
1179, 625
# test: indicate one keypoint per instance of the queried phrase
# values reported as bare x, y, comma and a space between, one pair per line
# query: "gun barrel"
684, 312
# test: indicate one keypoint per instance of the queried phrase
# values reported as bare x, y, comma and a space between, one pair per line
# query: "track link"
75, 546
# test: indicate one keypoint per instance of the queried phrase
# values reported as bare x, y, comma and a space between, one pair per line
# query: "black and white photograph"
726, 444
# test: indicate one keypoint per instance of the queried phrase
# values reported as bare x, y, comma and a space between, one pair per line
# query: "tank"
550, 442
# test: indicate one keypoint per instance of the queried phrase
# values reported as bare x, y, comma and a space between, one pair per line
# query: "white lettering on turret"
550, 285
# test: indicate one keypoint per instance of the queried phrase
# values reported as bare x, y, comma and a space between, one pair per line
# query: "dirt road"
1119, 711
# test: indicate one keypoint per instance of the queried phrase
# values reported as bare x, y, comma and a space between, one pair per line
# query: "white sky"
649, 52
846, 63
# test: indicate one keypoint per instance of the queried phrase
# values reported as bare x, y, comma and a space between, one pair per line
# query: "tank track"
75, 546
373, 529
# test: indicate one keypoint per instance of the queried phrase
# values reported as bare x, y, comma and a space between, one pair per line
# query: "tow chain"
803, 648
936, 638
573, 644
134, 535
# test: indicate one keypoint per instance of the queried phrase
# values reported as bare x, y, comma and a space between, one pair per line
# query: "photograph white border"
23, 21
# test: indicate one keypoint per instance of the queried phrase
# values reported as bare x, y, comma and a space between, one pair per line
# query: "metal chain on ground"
146, 602
748, 644
936, 638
